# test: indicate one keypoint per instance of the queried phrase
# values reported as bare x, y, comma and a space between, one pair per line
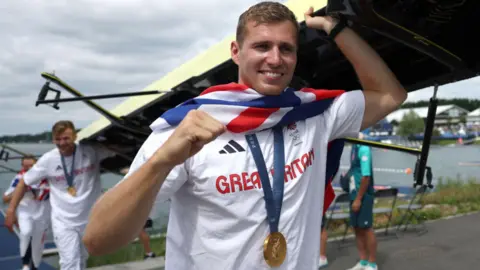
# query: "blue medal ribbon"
273, 199
71, 176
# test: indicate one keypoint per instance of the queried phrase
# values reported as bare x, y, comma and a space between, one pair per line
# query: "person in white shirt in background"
73, 174
33, 216
218, 216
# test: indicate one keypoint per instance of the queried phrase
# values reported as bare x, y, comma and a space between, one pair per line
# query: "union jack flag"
243, 110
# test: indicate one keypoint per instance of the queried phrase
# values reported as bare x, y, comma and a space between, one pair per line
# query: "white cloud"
463, 89
101, 47
98, 47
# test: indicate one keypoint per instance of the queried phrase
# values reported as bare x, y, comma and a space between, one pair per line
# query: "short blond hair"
29, 156
61, 126
264, 12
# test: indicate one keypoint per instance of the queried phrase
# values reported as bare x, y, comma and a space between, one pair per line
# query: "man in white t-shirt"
73, 174
218, 212
33, 216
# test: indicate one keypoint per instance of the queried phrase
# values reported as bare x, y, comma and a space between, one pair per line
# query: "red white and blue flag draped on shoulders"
243, 110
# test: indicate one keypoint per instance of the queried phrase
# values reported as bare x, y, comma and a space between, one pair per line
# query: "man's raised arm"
119, 215
383, 92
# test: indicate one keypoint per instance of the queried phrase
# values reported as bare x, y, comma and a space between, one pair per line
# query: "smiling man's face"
267, 56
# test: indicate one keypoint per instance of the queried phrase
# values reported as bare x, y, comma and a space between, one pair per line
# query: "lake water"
389, 167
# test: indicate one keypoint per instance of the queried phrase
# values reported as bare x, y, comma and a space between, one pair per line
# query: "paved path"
449, 244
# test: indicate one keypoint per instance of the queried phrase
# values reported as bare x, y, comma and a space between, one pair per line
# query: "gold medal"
275, 249
72, 191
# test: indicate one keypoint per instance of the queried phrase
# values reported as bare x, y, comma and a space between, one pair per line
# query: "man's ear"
235, 51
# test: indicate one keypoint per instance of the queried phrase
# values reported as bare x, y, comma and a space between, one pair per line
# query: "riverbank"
452, 142
451, 197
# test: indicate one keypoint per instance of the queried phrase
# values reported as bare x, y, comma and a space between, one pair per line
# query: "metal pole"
427, 137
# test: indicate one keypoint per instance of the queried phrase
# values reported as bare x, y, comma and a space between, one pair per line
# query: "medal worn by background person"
197, 154
69, 177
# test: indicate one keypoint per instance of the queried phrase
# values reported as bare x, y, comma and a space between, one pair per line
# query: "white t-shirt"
68, 210
34, 204
217, 214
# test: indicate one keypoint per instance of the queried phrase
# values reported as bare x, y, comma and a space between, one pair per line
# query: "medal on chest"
70, 176
72, 191
275, 245
275, 249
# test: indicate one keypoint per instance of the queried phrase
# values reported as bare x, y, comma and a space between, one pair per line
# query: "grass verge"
450, 197
132, 252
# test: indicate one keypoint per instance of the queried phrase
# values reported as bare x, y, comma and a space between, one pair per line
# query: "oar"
394, 147
14, 158
13, 149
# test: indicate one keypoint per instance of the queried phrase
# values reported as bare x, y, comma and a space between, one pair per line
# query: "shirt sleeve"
38, 172
103, 153
365, 156
175, 179
345, 115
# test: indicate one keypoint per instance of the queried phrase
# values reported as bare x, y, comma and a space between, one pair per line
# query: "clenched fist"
196, 130
325, 23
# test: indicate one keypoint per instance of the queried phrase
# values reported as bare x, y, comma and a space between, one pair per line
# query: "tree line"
466, 103
412, 124
45, 136
27, 138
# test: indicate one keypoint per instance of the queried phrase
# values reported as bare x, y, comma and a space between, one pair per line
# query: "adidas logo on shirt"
232, 147
59, 168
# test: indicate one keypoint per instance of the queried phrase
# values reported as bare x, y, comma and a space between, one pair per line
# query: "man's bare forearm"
119, 215
382, 89
373, 73
363, 187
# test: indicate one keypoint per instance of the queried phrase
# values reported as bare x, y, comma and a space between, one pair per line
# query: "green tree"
410, 124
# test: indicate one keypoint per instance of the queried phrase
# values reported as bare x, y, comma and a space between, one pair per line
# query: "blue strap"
273, 199
69, 177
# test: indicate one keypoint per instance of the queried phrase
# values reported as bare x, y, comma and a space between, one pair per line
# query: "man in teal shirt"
361, 206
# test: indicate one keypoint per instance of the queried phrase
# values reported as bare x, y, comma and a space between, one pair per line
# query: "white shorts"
35, 231
72, 252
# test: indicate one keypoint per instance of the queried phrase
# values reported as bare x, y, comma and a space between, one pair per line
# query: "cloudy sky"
110, 46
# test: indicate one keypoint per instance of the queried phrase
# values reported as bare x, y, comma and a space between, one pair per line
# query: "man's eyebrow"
261, 42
